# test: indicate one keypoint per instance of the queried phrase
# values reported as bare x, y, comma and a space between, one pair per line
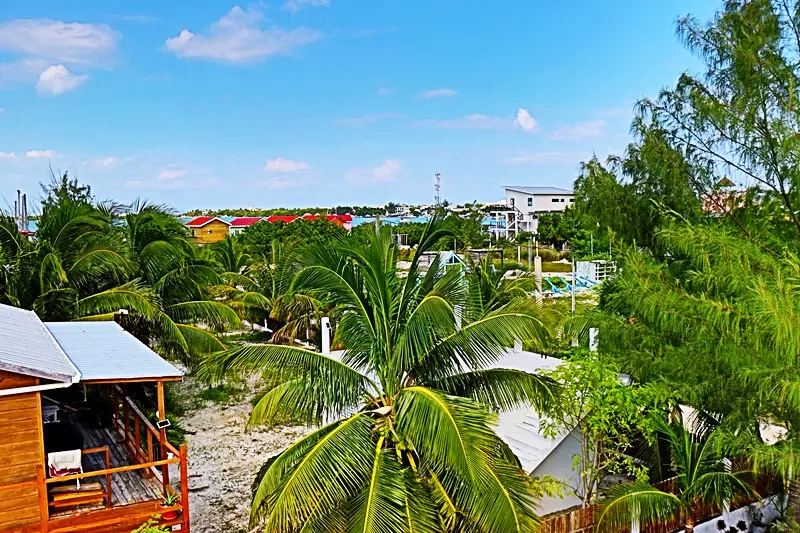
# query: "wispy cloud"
386, 172
280, 164
40, 154
47, 52
297, 5
368, 119
170, 174
238, 37
584, 130
437, 93
384, 91
108, 162
8, 155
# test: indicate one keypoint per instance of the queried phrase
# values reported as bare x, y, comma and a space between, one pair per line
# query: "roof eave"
37, 373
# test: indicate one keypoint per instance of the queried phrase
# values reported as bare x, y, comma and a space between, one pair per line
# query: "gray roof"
538, 190
105, 351
521, 428
26, 347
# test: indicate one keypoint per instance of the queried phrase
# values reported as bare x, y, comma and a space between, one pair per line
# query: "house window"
530, 202
193, 233
209, 232
512, 202
554, 200
571, 200
562, 199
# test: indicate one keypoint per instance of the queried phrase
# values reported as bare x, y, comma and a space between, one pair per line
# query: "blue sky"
322, 102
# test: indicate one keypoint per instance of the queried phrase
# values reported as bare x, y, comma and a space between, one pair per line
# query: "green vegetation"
406, 436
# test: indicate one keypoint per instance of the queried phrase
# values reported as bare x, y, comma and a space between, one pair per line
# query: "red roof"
331, 218
244, 222
282, 218
202, 221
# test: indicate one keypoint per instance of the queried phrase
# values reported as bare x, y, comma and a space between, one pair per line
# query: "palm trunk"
689, 525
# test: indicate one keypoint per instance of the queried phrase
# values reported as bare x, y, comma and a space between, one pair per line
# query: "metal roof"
521, 428
105, 351
538, 190
26, 347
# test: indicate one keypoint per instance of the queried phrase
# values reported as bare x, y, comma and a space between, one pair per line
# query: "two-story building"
207, 230
525, 204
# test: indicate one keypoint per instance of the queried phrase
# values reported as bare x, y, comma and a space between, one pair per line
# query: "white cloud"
40, 154
386, 172
280, 164
170, 174
297, 5
585, 130
59, 42
57, 79
438, 93
110, 162
475, 121
525, 121
8, 155
239, 38
368, 119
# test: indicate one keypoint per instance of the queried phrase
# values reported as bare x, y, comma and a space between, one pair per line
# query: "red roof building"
199, 222
240, 224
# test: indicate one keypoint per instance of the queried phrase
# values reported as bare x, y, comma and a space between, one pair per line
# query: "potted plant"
170, 500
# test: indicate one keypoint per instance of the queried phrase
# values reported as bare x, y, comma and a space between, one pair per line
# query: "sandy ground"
223, 460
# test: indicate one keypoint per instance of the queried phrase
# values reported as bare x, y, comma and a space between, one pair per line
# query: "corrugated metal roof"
538, 190
105, 351
26, 347
521, 428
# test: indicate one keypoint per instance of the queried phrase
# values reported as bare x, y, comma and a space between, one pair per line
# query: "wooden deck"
126, 487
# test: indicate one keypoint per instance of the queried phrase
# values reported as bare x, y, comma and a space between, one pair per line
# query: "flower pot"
170, 515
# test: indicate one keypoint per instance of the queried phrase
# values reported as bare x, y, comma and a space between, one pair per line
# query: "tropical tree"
180, 277
703, 477
407, 439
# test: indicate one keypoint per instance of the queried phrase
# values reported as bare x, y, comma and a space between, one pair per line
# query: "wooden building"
206, 230
70, 387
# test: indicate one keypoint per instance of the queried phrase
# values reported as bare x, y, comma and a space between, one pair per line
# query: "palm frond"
500, 388
639, 503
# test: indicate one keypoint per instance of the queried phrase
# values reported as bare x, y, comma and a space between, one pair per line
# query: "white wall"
559, 465
768, 508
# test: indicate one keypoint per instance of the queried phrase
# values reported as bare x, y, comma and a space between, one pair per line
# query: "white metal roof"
521, 428
26, 347
538, 190
105, 351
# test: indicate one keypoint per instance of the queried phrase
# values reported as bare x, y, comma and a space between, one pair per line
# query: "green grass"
556, 267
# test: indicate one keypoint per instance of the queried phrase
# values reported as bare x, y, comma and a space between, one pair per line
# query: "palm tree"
181, 279
407, 440
262, 292
704, 477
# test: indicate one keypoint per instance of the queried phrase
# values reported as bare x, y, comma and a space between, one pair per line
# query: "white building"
525, 204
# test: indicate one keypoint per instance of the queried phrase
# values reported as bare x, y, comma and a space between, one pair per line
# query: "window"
554, 200
193, 233
530, 202
571, 200
512, 202
562, 199
209, 232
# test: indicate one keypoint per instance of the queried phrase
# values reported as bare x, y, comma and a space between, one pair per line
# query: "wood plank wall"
21, 451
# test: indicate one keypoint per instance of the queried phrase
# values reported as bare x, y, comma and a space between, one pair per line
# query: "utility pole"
437, 198
591, 243
573, 285
529, 254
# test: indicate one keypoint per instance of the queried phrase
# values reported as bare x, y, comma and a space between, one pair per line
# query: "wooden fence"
583, 520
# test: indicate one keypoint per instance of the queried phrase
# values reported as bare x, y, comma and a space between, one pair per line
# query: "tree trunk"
689, 526
793, 500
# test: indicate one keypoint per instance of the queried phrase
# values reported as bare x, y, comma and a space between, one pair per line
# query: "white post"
326, 335
593, 339
573, 285
537, 268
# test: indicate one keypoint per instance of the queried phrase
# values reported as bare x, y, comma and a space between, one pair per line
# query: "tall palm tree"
407, 441
704, 477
